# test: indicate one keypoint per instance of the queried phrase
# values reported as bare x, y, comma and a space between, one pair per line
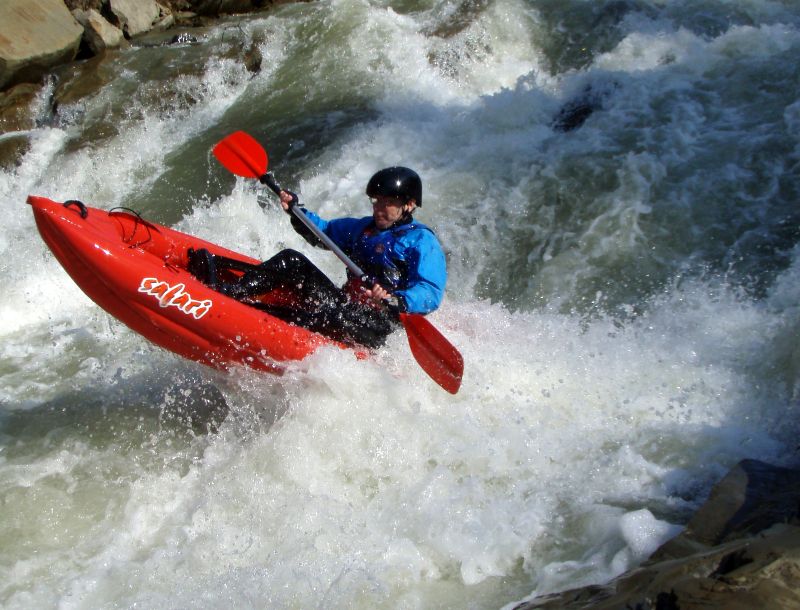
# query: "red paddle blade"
242, 155
435, 354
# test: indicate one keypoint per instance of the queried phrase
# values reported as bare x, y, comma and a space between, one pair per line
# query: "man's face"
388, 210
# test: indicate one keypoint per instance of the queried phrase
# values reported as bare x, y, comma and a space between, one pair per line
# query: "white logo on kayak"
174, 296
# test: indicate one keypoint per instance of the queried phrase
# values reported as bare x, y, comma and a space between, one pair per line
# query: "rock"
252, 59
740, 551
165, 23
16, 119
98, 33
165, 19
39, 35
13, 148
193, 20
183, 38
752, 497
15, 107
81, 79
134, 16
222, 7
76, 82
758, 572
35, 35
574, 113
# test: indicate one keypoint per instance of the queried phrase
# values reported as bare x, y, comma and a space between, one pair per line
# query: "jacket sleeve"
427, 274
304, 231
342, 231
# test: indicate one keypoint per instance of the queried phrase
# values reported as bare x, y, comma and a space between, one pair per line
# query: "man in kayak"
402, 258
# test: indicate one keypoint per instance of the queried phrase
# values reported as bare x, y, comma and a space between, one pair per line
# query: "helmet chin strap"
404, 219
407, 214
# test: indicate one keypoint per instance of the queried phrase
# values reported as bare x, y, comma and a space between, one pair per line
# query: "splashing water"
615, 186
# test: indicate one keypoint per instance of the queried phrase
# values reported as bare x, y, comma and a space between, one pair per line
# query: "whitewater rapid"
625, 296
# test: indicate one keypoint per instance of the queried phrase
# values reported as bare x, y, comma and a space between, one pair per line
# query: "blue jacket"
406, 258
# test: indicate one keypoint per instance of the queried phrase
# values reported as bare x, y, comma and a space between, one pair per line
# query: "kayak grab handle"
82, 208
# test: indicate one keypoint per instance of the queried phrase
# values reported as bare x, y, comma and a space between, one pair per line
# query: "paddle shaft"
269, 180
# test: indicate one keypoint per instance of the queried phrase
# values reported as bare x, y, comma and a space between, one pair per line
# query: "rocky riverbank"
68, 43
37, 35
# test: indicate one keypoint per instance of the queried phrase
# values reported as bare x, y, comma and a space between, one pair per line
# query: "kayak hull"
136, 271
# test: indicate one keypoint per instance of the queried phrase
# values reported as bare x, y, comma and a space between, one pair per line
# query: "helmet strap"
407, 214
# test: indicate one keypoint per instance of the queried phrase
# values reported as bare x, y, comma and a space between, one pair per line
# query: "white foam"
643, 533
577, 440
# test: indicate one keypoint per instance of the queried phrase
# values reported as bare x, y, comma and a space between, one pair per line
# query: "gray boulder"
35, 35
98, 33
135, 16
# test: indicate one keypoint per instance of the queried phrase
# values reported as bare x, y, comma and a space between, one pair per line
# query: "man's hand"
287, 198
378, 293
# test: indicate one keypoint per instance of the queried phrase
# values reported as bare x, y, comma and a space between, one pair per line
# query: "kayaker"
403, 257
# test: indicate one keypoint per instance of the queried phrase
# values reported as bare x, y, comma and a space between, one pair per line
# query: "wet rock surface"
38, 85
17, 117
35, 35
740, 551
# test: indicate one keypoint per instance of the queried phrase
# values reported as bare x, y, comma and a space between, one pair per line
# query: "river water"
616, 187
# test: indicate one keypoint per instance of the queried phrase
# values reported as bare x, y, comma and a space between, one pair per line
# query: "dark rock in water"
15, 107
751, 498
223, 7
573, 115
81, 79
183, 38
12, 148
461, 17
165, 39
16, 119
252, 60
740, 551
75, 83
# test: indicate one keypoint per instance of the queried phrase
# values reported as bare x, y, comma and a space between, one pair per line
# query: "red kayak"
136, 271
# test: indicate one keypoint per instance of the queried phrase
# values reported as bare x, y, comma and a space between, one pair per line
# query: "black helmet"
396, 182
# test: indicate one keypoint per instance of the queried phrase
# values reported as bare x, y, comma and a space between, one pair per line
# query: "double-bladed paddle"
244, 156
